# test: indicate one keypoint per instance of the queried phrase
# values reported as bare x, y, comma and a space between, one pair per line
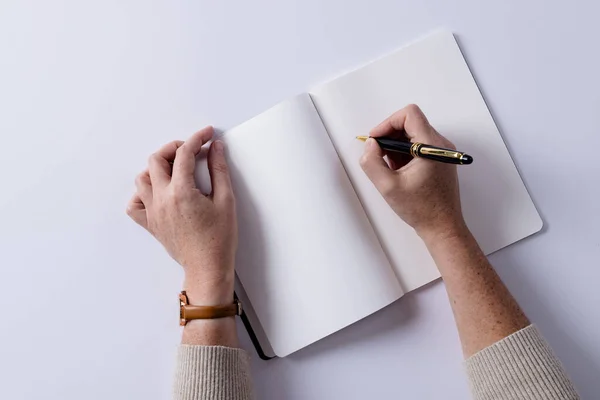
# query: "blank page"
433, 74
308, 258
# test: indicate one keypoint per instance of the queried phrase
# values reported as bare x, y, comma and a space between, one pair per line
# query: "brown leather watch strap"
188, 312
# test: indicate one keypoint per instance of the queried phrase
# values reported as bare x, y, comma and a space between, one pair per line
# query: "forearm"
504, 360
484, 310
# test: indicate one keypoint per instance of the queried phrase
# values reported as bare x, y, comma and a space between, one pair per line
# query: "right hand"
423, 193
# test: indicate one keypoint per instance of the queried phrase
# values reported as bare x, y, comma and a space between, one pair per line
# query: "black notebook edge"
253, 338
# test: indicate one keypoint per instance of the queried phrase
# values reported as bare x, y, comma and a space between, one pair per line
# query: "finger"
397, 160
160, 163
185, 161
375, 167
219, 172
144, 187
410, 121
137, 211
393, 165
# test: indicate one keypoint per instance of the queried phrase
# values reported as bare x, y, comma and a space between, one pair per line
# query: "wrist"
211, 332
203, 291
444, 232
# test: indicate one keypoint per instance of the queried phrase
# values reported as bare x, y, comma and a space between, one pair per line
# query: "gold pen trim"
415, 149
440, 152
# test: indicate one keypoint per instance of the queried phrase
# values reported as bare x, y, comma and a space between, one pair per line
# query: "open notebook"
319, 248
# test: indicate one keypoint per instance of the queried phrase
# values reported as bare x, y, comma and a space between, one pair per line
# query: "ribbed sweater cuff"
212, 372
520, 366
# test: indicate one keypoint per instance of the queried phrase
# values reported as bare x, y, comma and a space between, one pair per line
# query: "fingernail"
219, 146
371, 142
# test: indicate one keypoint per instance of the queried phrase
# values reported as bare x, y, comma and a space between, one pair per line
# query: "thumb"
375, 167
219, 172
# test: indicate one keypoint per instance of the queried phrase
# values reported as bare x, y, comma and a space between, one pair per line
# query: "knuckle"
140, 178
153, 158
227, 198
178, 195
413, 108
364, 161
220, 167
175, 195
181, 150
414, 112
386, 187
443, 140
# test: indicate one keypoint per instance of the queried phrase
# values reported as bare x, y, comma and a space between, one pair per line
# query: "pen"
422, 150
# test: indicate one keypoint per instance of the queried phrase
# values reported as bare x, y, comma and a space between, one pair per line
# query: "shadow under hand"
275, 379
388, 321
270, 381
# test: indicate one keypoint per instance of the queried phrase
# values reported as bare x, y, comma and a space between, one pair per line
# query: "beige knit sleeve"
520, 366
212, 373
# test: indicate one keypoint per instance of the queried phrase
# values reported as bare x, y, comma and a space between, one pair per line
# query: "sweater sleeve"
212, 373
520, 366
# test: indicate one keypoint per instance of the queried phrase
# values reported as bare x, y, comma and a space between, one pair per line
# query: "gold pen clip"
424, 150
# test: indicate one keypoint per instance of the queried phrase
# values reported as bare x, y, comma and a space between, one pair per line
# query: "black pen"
422, 150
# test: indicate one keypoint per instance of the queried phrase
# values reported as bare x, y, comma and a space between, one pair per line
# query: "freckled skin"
425, 195
484, 310
200, 231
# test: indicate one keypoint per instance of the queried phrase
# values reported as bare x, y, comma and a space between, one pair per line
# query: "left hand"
199, 231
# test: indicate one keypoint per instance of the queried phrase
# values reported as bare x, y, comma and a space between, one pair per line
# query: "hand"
423, 193
199, 231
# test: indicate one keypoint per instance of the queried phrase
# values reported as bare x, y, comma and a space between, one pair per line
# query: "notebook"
319, 248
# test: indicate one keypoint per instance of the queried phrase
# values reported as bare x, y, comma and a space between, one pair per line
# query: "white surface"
305, 241
432, 73
89, 89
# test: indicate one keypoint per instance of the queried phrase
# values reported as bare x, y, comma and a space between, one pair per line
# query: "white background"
89, 89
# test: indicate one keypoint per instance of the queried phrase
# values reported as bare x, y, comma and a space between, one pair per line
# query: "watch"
188, 312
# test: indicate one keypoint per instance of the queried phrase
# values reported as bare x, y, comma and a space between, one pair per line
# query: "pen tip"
362, 138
